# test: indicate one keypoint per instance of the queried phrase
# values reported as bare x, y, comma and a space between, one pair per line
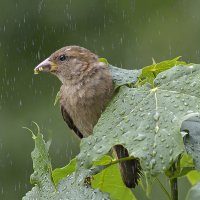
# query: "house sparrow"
87, 87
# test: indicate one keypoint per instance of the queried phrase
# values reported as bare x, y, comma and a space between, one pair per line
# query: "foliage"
154, 115
70, 187
150, 72
194, 192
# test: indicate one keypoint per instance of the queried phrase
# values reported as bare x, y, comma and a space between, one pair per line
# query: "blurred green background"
128, 33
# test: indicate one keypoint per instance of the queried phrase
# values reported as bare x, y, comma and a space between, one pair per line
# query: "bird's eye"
62, 58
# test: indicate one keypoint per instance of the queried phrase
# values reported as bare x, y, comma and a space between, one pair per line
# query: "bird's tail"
130, 170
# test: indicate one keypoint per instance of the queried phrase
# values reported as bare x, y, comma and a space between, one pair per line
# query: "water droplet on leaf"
156, 116
140, 137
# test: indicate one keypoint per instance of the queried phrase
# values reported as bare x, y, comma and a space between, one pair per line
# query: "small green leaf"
109, 180
193, 177
149, 73
123, 76
60, 173
186, 166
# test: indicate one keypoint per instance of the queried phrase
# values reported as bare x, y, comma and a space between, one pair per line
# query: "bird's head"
68, 63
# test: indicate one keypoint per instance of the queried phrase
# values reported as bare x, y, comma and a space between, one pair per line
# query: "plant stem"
174, 188
120, 160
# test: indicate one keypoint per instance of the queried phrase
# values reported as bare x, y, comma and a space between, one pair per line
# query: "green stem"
112, 162
174, 181
174, 188
120, 160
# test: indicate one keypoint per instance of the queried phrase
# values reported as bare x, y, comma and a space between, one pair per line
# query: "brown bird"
87, 87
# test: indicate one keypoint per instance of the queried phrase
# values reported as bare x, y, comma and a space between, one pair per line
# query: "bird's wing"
130, 169
70, 122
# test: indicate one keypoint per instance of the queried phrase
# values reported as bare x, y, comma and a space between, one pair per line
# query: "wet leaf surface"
147, 120
70, 187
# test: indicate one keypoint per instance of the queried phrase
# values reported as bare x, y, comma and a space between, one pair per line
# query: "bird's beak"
46, 66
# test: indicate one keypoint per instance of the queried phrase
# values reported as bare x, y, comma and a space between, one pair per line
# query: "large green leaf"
123, 76
194, 192
109, 180
147, 120
60, 173
149, 73
71, 187
192, 139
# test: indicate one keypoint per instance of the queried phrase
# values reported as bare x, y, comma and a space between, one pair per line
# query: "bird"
87, 88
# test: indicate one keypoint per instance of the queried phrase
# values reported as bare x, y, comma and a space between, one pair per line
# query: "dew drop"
154, 153
99, 151
152, 163
132, 124
122, 113
142, 115
144, 157
156, 129
140, 137
181, 108
156, 116
171, 151
163, 76
154, 145
145, 148
147, 163
131, 103
167, 95
127, 120
193, 84
147, 127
